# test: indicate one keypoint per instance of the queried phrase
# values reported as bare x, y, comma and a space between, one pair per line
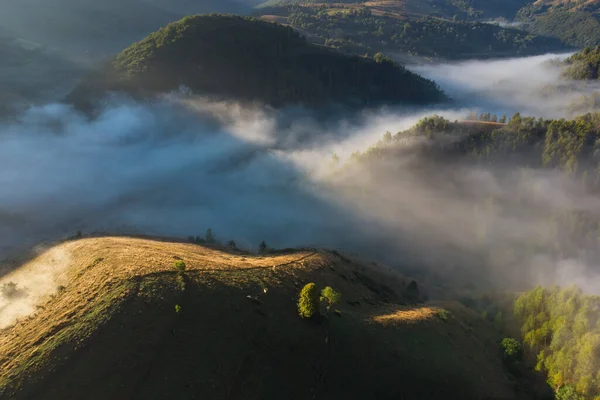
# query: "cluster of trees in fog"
561, 335
520, 155
584, 65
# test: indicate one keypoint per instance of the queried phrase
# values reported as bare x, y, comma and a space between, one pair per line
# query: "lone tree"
180, 267
209, 237
232, 244
308, 303
412, 291
330, 297
263, 248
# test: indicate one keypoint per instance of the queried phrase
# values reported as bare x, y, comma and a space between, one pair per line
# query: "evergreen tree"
209, 237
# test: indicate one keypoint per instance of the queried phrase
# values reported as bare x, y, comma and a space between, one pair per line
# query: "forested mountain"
407, 29
576, 23
575, 28
247, 59
365, 30
584, 65
461, 9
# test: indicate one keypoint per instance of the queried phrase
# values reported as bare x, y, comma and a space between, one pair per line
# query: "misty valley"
241, 199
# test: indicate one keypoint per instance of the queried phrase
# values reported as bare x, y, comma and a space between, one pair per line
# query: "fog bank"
183, 164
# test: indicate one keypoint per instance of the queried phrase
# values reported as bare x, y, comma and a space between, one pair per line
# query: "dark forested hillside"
247, 59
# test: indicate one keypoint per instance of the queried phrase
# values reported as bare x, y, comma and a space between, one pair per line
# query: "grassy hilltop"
126, 324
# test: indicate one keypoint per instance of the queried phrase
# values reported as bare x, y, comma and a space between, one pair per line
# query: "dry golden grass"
407, 315
89, 267
118, 306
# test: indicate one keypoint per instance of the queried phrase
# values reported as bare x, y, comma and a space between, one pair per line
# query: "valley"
297, 199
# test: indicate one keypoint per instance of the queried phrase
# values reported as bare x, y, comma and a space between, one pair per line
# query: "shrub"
512, 349
177, 308
443, 314
232, 244
308, 303
330, 297
179, 267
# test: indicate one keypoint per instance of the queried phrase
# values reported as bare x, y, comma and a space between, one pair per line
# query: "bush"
330, 297
180, 267
512, 349
308, 303
443, 314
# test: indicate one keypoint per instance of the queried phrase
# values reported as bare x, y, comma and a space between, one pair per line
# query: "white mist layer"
529, 85
182, 165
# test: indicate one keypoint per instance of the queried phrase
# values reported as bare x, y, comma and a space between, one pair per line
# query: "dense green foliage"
561, 329
248, 59
360, 31
585, 64
308, 303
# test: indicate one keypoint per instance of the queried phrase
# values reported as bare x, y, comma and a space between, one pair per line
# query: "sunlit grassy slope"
112, 332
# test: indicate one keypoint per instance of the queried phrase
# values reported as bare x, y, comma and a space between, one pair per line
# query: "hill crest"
114, 321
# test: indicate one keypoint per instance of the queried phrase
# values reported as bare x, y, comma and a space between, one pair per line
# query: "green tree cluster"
308, 301
561, 329
584, 65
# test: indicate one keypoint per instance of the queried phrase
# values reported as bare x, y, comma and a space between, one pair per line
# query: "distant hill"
462, 9
576, 23
121, 323
31, 73
100, 26
574, 28
407, 29
251, 60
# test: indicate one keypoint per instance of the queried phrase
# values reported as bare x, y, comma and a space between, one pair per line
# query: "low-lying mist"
183, 164
530, 85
